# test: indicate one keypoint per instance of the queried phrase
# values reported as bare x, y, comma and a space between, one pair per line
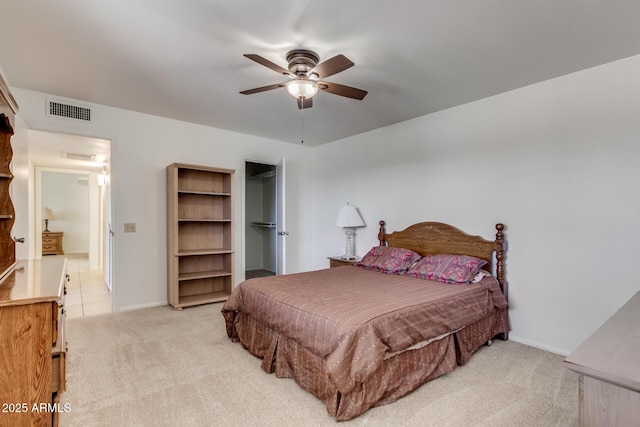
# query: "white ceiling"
47, 149
184, 59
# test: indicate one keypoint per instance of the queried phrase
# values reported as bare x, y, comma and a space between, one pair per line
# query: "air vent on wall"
79, 156
60, 109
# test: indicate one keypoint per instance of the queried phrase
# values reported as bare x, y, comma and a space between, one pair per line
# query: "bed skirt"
397, 376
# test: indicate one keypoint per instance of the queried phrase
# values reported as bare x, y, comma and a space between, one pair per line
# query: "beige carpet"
159, 367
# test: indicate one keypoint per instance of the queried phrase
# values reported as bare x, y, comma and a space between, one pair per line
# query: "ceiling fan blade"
262, 61
262, 89
332, 66
305, 103
342, 90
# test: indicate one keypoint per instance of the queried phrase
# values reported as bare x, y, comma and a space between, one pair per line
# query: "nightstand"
52, 243
337, 261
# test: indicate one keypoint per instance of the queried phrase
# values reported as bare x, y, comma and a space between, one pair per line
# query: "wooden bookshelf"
200, 229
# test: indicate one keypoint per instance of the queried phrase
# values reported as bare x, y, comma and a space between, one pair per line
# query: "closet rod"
263, 224
263, 175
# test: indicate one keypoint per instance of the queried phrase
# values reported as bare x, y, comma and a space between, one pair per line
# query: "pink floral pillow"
447, 268
389, 260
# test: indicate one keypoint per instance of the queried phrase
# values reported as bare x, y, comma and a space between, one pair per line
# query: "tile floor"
87, 292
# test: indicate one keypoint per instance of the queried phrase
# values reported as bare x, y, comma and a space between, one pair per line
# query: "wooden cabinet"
608, 364
199, 234
337, 261
52, 243
32, 343
8, 110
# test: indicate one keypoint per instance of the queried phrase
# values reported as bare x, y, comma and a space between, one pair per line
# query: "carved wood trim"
7, 211
7, 97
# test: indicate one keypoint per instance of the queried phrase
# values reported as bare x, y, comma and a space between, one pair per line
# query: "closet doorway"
264, 219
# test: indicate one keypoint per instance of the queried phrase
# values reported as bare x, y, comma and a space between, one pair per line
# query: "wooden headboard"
431, 238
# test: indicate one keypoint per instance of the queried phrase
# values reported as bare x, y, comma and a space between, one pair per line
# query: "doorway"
260, 216
265, 235
72, 195
71, 203
64, 198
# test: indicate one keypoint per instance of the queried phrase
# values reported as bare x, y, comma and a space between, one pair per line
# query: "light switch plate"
130, 227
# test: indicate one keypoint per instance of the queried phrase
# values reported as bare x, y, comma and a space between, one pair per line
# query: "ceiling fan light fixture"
302, 88
307, 76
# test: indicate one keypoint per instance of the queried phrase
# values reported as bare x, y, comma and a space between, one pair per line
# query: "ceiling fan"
306, 76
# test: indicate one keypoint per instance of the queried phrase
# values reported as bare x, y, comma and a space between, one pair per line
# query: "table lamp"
48, 214
349, 218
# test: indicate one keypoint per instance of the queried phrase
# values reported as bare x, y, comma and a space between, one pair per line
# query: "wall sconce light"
349, 218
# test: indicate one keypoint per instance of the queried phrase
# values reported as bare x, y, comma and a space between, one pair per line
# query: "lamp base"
348, 253
348, 257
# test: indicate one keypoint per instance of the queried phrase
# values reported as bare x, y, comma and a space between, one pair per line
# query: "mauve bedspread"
351, 317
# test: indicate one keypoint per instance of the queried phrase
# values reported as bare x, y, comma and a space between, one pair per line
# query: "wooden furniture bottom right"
609, 366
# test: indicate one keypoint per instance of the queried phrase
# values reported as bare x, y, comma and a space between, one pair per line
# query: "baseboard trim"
140, 306
535, 344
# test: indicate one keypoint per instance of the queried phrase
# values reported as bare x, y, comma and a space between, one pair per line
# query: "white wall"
557, 162
142, 147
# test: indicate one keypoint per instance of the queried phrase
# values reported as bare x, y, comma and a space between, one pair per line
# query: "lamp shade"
348, 216
48, 214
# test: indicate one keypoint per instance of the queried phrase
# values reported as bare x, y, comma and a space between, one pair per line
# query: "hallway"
87, 292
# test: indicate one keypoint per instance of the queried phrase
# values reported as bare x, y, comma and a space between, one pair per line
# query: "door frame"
280, 207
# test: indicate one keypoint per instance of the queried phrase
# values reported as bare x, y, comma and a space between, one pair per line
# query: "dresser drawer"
59, 350
49, 241
58, 366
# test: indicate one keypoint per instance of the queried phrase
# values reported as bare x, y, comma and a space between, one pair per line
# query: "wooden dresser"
52, 243
32, 343
609, 366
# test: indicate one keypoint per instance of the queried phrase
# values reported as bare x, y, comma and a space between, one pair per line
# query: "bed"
360, 336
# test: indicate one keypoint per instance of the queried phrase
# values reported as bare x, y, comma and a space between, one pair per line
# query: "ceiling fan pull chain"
302, 126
